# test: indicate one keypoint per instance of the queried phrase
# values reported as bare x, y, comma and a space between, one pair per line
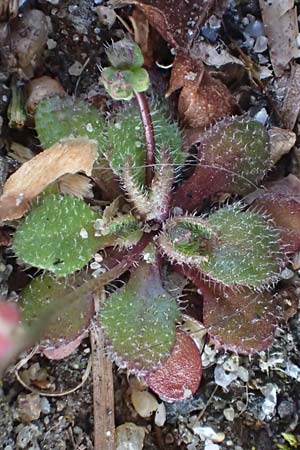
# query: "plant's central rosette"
229, 249
231, 246
192, 239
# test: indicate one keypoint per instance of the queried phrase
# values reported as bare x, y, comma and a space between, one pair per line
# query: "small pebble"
160, 415
287, 274
72, 8
211, 446
98, 272
286, 409
29, 407
292, 370
129, 436
231, 364
98, 258
46, 420
169, 439
229, 414
261, 44
211, 34
270, 402
45, 405
28, 435
222, 378
75, 69
243, 374
240, 406
60, 405
208, 433
51, 44
209, 356
255, 29
261, 116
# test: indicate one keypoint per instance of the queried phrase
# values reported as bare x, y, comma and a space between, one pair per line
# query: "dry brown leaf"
68, 156
290, 107
281, 142
76, 184
176, 20
281, 26
19, 152
106, 180
203, 99
140, 25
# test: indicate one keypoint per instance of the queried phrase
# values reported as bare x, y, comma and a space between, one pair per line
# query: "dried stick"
149, 135
103, 388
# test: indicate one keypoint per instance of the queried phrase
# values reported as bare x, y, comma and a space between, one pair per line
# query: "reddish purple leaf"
233, 157
179, 377
281, 201
242, 322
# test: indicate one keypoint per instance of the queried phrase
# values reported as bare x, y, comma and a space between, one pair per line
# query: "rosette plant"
232, 254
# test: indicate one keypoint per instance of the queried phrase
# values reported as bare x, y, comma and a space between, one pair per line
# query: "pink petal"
5, 345
9, 313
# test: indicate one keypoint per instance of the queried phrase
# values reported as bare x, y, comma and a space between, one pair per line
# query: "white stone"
160, 415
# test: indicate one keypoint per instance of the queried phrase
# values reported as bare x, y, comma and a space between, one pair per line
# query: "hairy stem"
96, 285
149, 135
